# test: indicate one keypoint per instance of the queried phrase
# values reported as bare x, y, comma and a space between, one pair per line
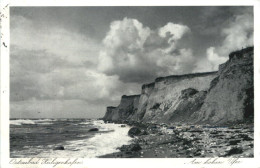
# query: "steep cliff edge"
208, 98
127, 107
231, 95
167, 96
109, 113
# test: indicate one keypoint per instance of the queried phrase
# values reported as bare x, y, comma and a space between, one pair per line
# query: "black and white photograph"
131, 82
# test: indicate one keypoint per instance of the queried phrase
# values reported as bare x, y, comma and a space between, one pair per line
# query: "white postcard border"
126, 163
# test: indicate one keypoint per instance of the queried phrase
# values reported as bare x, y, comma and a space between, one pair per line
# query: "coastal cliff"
210, 98
231, 95
127, 107
166, 100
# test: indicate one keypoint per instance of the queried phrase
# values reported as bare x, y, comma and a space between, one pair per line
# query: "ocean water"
38, 138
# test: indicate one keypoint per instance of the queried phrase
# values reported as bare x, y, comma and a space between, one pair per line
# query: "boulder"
234, 151
134, 132
59, 148
130, 148
93, 129
135, 147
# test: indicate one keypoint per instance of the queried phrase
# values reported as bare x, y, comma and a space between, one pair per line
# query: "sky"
73, 62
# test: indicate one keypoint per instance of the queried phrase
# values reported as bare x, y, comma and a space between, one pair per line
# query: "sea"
37, 138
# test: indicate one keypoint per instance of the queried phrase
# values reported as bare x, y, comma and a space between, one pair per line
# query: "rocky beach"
194, 115
155, 141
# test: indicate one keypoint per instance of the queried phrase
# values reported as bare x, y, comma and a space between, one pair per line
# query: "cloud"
63, 90
138, 54
61, 82
126, 32
75, 48
180, 64
54, 71
174, 33
66, 73
214, 58
237, 34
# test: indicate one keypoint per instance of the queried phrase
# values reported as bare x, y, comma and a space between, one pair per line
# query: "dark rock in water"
59, 148
93, 129
234, 151
130, 148
234, 142
123, 126
134, 132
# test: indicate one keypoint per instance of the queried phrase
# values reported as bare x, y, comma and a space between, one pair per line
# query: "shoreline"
160, 141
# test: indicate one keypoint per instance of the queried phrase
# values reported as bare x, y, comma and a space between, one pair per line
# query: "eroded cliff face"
231, 96
127, 107
211, 98
109, 113
166, 97
147, 89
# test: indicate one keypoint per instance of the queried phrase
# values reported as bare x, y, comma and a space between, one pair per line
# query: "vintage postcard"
130, 84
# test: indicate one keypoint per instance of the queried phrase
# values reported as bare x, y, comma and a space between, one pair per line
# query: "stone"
134, 132
234, 151
130, 148
93, 129
136, 147
59, 148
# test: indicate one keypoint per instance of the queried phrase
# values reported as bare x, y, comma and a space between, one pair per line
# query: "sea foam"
27, 121
100, 144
